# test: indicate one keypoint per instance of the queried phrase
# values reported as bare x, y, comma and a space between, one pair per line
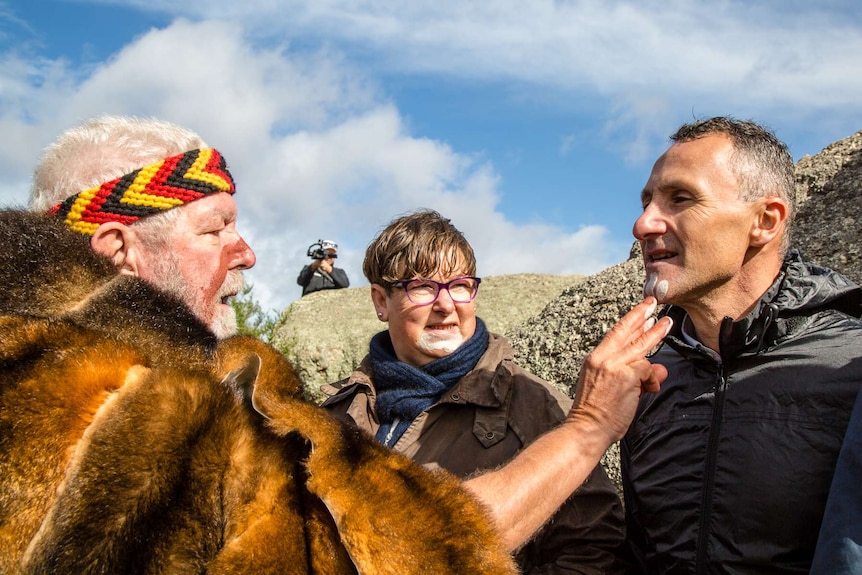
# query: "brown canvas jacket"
481, 423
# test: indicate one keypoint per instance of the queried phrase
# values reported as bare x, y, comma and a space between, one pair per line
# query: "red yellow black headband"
149, 190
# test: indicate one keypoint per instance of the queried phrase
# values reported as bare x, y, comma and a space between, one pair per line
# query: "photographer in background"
321, 273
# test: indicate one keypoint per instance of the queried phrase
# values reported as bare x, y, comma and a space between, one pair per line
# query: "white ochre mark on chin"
430, 342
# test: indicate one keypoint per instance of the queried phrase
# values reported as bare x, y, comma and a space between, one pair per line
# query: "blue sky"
532, 124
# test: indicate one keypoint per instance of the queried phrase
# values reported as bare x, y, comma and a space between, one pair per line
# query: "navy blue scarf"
404, 391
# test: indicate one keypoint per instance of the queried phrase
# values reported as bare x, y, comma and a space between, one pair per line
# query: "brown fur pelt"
129, 443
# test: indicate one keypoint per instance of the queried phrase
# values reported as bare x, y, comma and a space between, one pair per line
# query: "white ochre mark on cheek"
661, 290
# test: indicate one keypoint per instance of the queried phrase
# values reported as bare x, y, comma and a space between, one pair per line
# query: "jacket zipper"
709, 471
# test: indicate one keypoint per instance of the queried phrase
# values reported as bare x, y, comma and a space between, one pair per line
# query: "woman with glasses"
441, 389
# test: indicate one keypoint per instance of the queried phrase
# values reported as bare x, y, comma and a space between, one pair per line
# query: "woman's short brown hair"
417, 245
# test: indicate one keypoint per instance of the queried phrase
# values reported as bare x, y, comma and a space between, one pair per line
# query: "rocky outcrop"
553, 343
829, 191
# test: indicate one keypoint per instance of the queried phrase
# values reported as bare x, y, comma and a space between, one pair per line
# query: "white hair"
103, 149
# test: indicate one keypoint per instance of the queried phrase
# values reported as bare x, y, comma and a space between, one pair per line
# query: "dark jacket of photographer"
313, 279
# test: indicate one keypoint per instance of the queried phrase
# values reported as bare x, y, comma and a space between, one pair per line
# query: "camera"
319, 249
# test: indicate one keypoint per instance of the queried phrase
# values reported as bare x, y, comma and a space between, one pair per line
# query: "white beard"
221, 321
224, 322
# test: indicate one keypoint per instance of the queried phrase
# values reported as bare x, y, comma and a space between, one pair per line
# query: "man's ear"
770, 221
380, 299
118, 242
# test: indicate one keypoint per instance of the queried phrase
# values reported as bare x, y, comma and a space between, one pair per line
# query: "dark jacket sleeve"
839, 548
305, 276
339, 276
635, 540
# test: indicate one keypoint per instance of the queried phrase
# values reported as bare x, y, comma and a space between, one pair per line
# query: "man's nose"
650, 223
243, 256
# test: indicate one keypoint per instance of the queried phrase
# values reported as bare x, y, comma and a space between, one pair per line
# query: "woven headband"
149, 190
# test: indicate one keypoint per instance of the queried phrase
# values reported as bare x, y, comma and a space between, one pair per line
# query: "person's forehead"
212, 206
691, 161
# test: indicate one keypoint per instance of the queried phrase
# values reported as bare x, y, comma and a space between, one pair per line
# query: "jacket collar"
800, 290
487, 385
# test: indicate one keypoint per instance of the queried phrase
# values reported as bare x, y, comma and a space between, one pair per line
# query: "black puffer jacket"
727, 469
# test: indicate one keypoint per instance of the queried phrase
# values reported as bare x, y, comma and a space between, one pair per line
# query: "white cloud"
779, 59
712, 48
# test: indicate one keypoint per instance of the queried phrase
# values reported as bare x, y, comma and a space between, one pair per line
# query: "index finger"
632, 336
631, 325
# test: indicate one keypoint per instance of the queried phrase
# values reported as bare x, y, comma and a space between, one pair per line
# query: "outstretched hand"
616, 372
523, 494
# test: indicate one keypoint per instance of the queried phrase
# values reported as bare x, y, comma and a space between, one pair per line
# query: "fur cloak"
132, 441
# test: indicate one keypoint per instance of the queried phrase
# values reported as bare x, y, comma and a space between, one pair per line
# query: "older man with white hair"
157, 201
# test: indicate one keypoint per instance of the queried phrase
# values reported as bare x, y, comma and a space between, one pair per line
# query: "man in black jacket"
321, 273
727, 468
